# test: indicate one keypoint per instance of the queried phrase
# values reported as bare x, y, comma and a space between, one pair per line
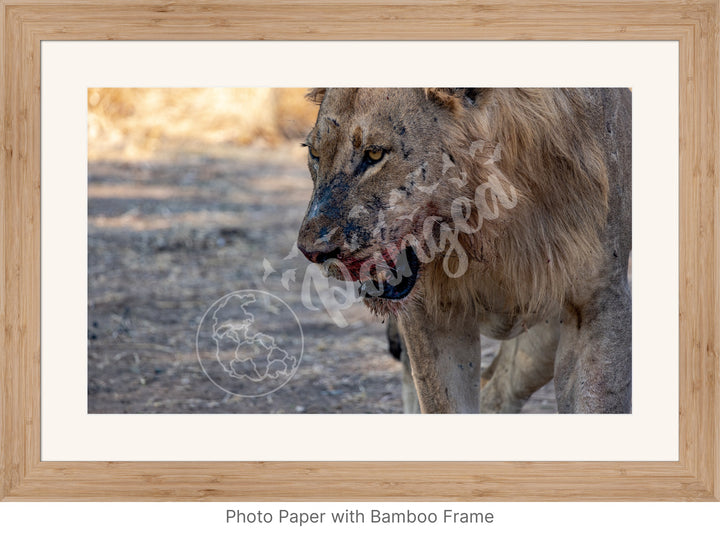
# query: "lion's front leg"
411, 404
593, 369
445, 363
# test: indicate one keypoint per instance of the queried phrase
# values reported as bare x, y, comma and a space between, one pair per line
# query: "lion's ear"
453, 97
473, 93
316, 95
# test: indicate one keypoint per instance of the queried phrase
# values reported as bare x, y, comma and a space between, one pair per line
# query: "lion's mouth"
398, 283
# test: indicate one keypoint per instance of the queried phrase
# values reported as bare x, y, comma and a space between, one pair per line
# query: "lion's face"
376, 160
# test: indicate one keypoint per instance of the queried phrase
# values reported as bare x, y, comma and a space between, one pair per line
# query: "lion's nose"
320, 239
320, 253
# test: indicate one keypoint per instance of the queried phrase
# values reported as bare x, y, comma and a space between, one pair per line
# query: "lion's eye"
313, 152
375, 154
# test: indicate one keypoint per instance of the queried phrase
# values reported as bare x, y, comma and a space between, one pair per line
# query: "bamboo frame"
694, 24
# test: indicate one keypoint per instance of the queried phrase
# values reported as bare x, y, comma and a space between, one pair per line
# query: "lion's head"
378, 158
405, 178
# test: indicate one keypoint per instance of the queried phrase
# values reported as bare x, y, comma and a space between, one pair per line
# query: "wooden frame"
694, 24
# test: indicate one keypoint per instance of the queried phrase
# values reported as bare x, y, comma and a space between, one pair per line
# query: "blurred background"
194, 194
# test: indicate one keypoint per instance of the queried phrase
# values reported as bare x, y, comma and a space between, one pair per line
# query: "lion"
503, 212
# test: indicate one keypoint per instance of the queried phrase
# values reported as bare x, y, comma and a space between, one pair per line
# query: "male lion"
469, 211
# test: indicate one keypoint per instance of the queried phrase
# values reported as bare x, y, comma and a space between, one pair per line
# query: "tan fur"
540, 178
539, 252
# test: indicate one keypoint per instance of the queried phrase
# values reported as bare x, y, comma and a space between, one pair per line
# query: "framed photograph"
101, 246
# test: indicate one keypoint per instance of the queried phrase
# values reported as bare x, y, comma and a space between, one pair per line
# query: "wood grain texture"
694, 24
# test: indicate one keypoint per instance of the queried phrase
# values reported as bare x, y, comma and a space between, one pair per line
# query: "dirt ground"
168, 238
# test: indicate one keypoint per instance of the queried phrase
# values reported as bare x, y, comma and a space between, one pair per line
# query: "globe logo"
249, 343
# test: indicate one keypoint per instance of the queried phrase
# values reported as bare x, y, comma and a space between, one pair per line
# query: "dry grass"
137, 123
